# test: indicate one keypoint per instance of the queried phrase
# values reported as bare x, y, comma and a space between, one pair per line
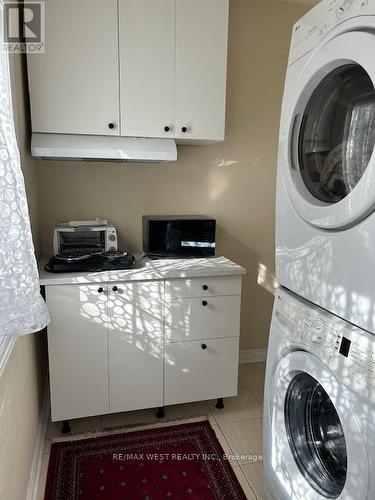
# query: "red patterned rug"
174, 462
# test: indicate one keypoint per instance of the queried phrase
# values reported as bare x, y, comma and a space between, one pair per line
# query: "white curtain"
22, 309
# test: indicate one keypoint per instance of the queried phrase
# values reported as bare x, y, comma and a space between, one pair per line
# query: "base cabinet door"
198, 370
135, 345
78, 350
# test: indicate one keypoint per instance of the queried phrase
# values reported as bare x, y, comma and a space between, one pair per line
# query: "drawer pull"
115, 288
100, 290
204, 346
205, 288
204, 303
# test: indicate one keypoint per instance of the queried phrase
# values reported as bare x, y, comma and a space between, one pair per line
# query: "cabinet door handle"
204, 303
184, 130
204, 346
205, 288
111, 125
100, 290
115, 288
167, 128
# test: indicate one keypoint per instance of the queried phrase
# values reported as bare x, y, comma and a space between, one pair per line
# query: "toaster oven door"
85, 240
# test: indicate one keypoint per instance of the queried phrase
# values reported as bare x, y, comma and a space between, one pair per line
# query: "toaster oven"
84, 237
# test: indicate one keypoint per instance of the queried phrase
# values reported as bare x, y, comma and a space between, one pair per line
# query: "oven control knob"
112, 237
317, 332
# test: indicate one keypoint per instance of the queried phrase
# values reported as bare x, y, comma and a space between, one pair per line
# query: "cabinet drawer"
202, 287
192, 373
200, 318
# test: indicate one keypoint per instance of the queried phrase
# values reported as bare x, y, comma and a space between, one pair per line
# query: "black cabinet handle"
100, 290
183, 130
204, 346
167, 129
205, 288
204, 303
111, 125
115, 288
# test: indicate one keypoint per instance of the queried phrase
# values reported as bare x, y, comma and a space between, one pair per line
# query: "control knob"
344, 7
317, 332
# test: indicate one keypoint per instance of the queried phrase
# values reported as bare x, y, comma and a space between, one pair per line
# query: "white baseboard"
252, 355
32, 489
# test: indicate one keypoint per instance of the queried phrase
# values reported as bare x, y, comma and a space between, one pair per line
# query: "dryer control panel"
323, 18
346, 349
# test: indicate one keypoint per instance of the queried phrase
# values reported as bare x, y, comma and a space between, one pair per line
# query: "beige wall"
233, 181
21, 394
23, 381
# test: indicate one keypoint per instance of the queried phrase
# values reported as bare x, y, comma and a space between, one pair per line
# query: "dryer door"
318, 451
330, 170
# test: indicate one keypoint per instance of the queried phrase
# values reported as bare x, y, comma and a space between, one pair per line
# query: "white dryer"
325, 220
319, 412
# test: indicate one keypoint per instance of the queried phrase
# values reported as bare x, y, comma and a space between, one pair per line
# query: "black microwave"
179, 236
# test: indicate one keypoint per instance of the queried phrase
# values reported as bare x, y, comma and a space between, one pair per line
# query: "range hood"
93, 147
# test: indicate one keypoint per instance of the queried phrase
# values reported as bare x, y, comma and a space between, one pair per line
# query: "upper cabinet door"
74, 86
201, 68
147, 44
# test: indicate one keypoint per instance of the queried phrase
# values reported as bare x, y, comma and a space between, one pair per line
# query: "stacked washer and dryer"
319, 412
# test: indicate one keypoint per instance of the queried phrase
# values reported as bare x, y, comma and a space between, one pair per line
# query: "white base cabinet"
125, 346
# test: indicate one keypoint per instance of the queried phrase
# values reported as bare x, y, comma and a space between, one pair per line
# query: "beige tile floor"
238, 427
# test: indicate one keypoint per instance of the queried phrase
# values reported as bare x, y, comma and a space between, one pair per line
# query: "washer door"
318, 451
330, 172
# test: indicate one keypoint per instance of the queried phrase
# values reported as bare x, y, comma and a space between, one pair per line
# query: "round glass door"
337, 134
327, 134
316, 436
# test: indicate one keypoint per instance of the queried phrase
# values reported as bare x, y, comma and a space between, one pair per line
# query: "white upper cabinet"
74, 86
173, 66
201, 69
147, 30
138, 68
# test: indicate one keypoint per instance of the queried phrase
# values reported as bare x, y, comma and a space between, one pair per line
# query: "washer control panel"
324, 17
344, 348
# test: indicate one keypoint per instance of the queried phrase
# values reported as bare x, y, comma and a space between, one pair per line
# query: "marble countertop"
146, 270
